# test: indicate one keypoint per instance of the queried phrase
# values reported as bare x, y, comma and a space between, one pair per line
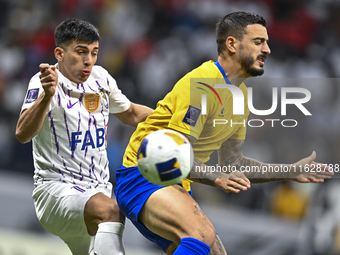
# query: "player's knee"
204, 232
112, 212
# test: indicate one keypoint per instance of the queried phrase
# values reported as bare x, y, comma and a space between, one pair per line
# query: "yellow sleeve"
186, 115
240, 134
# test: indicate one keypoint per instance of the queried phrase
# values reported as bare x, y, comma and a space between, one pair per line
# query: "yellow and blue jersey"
210, 121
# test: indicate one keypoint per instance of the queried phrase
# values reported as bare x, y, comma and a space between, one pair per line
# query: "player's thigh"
60, 208
173, 214
98, 209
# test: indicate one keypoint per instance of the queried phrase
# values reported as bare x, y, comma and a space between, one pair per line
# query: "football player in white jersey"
65, 114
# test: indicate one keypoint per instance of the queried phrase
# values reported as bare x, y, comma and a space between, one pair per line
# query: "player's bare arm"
135, 114
31, 120
230, 153
228, 182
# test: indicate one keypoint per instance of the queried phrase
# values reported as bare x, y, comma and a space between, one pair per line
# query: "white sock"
109, 239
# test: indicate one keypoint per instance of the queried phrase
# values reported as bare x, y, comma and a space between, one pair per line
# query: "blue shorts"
132, 190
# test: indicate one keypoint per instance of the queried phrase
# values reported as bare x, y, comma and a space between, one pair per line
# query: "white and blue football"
165, 157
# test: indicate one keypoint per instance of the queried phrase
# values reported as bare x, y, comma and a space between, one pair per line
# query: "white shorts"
60, 210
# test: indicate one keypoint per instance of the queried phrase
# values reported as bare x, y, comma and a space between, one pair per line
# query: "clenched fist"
48, 79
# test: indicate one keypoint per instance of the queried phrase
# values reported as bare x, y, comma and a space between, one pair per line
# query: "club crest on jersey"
91, 102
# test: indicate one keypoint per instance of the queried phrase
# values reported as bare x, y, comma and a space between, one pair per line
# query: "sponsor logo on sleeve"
191, 116
32, 95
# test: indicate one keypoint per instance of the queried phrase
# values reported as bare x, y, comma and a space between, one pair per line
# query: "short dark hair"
234, 24
75, 30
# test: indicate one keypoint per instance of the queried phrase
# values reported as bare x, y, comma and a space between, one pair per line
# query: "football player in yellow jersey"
169, 216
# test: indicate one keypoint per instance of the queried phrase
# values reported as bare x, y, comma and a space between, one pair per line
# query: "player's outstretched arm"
305, 170
228, 182
31, 120
135, 114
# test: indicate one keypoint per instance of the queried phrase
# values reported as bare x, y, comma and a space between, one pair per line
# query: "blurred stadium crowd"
147, 45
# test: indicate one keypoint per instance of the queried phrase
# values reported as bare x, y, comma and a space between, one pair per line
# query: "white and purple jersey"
71, 145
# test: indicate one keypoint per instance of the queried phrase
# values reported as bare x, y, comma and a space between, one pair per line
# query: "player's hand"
307, 170
48, 79
233, 182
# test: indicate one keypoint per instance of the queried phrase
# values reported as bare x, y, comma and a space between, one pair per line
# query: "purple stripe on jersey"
90, 173
38, 177
104, 120
82, 85
102, 112
108, 84
105, 102
90, 115
101, 172
67, 130
86, 149
94, 173
78, 188
63, 87
105, 167
81, 98
89, 126
90, 88
65, 166
98, 84
79, 120
92, 168
80, 171
53, 130
94, 121
69, 88
59, 100
62, 174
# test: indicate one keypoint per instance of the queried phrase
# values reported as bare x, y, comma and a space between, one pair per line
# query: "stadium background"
147, 46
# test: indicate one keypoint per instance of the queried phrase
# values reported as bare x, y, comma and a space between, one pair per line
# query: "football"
165, 157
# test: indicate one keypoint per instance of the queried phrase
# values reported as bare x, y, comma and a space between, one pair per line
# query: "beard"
247, 63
